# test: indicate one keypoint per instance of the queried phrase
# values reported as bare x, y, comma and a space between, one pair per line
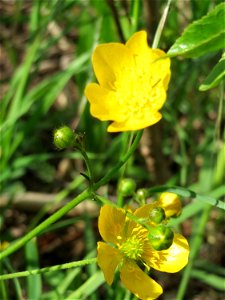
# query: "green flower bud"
161, 237
127, 187
157, 215
141, 195
64, 137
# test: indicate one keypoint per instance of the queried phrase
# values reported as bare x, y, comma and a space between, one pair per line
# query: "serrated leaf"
202, 36
215, 76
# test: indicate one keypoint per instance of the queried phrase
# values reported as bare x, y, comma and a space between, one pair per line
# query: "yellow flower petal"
133, 81
171, 203
138, 43
104, 103
109, 62
143, 211
139, 283
160, 65
135, 124
171, 260
147, 59
108, 259
111, 223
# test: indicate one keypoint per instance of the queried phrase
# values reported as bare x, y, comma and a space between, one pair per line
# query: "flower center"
137, 93
132, 248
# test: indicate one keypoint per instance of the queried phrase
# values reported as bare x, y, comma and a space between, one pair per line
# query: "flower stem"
127, 140
65, 209
123, 160
52, 219
88, 165
49, 269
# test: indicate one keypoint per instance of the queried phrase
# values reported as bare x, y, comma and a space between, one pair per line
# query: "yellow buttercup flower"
127, 246
171, 203
132, 84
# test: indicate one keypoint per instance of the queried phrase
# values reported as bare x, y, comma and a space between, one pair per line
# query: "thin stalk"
49, 269
128, 139
57, 199
88, 165
123, 160
52, 219
15, 280
81, 197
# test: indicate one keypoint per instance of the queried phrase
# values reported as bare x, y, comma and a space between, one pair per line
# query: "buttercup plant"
138, 220
128, 243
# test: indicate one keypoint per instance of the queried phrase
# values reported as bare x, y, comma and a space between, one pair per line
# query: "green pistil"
132, 248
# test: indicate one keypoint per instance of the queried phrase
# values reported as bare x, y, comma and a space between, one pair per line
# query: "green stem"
49, 269
88, 165
15, 280
127, 140
61, 212
52, 219
123, 160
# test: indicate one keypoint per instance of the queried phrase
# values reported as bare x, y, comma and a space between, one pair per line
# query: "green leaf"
34, 283
202, 36
184, 192
215, 76
88, 287
210, 267
195, 207
47, 90
211, 279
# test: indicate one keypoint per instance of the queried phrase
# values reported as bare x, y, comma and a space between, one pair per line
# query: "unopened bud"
161, 237
171, 203
157, 215
64, 137
127, 187
141, 195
